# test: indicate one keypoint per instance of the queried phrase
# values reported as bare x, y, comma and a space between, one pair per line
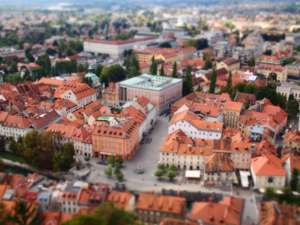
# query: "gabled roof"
267, 165
227, 211
196, 121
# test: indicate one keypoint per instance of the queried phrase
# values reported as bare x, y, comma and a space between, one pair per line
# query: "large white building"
194, 126
14, 126
116, 48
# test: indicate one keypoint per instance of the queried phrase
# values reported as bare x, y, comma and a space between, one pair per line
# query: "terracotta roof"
161, 203
120, 199
290, 136
123, 130
227, 211
272, 213
170, 221
17, 121
219, 162
265, 147
51, 81
267, 165
179, 143
196, 121
71, 132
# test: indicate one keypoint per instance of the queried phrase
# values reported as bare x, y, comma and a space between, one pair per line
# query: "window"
270, 179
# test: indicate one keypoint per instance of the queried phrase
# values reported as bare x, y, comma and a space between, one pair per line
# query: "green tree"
171, 175
64, 157
251, 62
162, 70
28, 55
159, 173
228, 89
109, 171
113, 73
119, 175
111, 160
213, 80
292, 107
98, 70
187, 87
132, 65
269, 194
25, 213
44, 61
295, 180
174, 72
153, 67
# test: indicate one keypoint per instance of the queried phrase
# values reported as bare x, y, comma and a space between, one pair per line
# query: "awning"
245, 178
192, 173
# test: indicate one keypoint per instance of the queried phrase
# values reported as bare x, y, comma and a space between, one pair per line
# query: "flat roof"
151, 82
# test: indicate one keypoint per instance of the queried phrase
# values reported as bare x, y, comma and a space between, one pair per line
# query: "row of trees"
114, 167
291, 105
44, 151
163, 171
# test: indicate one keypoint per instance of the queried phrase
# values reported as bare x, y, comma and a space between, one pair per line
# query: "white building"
268, 171
144, 106
194, 126
289, 88
14, 126
116, 48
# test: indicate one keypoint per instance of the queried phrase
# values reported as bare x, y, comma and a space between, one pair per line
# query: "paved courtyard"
146, 158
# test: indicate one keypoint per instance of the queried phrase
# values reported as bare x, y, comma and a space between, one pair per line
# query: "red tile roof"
267, 165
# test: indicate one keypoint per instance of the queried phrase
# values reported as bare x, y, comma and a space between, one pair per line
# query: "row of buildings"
58, 202
223, 140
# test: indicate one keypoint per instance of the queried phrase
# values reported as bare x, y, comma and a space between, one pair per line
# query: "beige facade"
161, 91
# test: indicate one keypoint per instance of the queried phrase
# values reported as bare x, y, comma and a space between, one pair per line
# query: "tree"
132, 66
251, 62
25, 213
98, 70
44, 61
171, 175
292, 107
228, 88
207, 63
153, 67
28, 55
119, 176
162, 70
105, 214
187, 87
174, 72
213, 80
159, 173
295, 181
113, 73
109, 171
269, 194
64, 158
111, 160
